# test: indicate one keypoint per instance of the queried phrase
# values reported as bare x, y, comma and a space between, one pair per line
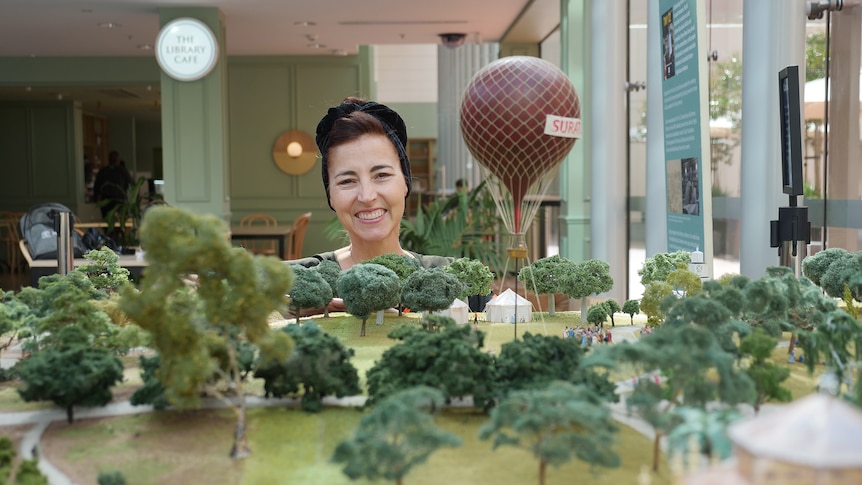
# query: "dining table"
279, 234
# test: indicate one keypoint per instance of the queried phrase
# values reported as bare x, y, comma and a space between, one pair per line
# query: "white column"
609, 138
773, 37
656, 185
455, 68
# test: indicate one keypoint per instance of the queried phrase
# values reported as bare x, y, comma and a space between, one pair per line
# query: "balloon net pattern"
503, 116
517, 219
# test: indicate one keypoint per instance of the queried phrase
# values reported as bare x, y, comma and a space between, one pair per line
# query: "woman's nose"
367, 192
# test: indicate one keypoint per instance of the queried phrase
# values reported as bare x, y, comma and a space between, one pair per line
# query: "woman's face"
367, 189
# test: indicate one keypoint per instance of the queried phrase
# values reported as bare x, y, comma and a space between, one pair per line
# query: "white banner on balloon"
562, 126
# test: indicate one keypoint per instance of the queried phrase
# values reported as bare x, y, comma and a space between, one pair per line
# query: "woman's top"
425, 261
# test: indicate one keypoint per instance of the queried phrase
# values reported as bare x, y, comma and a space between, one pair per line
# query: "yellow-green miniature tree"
200, 299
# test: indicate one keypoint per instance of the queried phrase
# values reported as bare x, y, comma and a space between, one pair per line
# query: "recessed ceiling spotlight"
311, 37
304, 23
145, 47
339, 52
109, 25
28, 88
59, 96
316, 46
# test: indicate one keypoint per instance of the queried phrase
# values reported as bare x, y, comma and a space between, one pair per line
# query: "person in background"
112, 184
366, 176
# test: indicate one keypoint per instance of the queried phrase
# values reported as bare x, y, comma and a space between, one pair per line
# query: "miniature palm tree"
200, 299
556, 423
367, 288
398, 434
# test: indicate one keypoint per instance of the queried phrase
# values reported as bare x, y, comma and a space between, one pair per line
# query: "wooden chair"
10, 235
297, 235
259, 247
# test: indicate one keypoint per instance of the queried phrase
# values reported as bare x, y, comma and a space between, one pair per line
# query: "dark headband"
392, 123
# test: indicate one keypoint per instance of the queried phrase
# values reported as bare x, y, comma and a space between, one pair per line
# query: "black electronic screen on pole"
791, 130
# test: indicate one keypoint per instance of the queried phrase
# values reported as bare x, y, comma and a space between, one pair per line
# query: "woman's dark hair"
354, 118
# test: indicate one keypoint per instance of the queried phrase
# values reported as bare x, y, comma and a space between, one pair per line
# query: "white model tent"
502, 308
458, 311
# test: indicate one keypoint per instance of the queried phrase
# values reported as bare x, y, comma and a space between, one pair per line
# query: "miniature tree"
706, 429
402, 264
12, 316
838, 275
631, 307
650, 304
310, 290
319, 365
329, 270
766, 375
684, 281
590, 277
473, 274
70, 372
537, 360
597, 314
398, 434
837, 341
815, 266
199, 299
684, 354
611, 306
451, 360
659, 266
556, 423
431, 290
547, 276
367, 288
152, 391
104, 271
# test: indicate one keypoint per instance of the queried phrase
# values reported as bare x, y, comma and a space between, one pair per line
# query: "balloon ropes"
520, 117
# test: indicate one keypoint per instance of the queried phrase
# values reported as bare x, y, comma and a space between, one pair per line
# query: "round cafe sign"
186, 49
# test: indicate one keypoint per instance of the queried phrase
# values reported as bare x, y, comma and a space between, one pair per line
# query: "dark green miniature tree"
310, 290
547, 276
815, 266
473, 274
537, 360
612, 307
597, 315
398, 434
199, 299
330, 270
319, 366
836, 340
630, 307
70, 372
431, 290
556, 423
659, 266
402, 264
684, 354
451, 361
367, 288
152, 391
839, 274
590, 277
766, 375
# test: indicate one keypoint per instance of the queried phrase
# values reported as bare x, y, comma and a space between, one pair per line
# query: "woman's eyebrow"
346, 173
382, 166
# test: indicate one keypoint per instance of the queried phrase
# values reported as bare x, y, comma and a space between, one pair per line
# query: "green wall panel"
50, 162
14, 155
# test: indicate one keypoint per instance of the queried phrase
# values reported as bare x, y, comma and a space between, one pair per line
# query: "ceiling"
128, 28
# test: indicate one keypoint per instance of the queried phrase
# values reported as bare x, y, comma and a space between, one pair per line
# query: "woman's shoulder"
312, 261
432, 261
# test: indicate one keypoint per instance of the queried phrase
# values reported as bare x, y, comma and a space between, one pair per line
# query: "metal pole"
65, 255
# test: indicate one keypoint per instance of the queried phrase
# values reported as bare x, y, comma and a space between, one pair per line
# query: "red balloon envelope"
503, 120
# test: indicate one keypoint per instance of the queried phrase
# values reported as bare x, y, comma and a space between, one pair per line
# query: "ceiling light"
304, 23
109, 25
339, 52
316, 46
311, 37
145, 47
